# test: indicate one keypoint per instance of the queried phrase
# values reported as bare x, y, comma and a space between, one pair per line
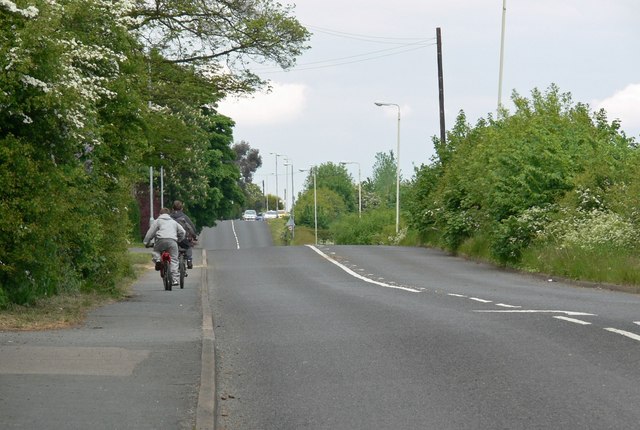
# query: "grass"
607, 266
303, 235
68, 310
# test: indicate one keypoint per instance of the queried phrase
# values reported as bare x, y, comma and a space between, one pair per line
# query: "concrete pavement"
144, 363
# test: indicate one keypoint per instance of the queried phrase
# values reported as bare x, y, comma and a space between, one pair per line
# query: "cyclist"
186, 223
167, 233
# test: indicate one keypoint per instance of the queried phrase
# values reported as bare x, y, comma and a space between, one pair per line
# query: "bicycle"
165, 268
182, 265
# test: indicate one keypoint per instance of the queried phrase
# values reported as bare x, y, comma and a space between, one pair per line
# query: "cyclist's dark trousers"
188, 253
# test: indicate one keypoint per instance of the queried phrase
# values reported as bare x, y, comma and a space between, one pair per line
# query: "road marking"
504, 305
456, 295
356, 275
233, 228
475, 299
573, 320
541, 311
624, 333
637, 322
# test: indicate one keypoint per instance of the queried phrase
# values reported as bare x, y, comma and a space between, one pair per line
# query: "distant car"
249, 215
271, 215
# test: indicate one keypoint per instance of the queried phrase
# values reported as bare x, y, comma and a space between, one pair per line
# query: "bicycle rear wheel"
183, 269
166, 269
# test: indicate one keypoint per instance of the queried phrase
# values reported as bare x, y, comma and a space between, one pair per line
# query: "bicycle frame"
165, 272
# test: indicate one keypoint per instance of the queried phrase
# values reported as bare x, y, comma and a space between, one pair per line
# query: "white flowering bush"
591, 230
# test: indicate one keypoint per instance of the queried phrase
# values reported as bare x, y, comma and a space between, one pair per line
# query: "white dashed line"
475, 299
534, 311
573, 320
504, 305
456, 295
624, 333
356, 275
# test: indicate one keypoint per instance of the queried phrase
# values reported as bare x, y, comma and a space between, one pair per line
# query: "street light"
290, 163
397, 166
315, 200
277, 195
359, 186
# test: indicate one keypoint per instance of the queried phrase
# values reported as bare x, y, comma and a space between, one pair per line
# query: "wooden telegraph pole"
441, 87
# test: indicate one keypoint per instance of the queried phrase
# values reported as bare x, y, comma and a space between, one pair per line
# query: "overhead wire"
403, 45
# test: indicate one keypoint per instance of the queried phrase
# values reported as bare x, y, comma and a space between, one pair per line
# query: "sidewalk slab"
135, 364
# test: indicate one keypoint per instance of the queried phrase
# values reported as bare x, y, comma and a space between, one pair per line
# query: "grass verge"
68, 310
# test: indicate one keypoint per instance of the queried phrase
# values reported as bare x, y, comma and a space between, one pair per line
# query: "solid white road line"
573, 320
233, 228
356, 275
624, 333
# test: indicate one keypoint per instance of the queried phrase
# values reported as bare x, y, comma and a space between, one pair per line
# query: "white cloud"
285, 103
623, 105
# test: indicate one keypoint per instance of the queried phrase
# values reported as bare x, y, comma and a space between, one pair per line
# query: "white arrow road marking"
573, 320
356, 275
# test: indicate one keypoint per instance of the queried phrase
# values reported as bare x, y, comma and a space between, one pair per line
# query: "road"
352, 337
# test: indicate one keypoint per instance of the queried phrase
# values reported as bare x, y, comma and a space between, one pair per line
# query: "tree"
336, 178
329, 205
383, 182
70, 131
504, 180
222, 38
248, 160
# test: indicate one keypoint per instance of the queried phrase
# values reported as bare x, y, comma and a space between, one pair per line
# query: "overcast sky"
363, 51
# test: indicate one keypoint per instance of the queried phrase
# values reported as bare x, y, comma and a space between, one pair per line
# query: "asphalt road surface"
354, 337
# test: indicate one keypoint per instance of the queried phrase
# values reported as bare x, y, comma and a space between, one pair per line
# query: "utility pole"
441, 87
504, 13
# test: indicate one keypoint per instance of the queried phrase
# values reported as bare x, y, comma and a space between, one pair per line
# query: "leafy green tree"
504, 179
69, 131
330, 206
335, 177
220, 37
383, 181
254, 199
248, 160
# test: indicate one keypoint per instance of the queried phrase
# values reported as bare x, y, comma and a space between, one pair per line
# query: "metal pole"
277, 196
150, 195
397, 165
359, 193
286, 183
315, 204
398, 178
504, 13
441, 86
161, 187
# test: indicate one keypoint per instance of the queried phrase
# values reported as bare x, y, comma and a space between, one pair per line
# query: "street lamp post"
277, 195
315, 200
397, 166
359, 186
